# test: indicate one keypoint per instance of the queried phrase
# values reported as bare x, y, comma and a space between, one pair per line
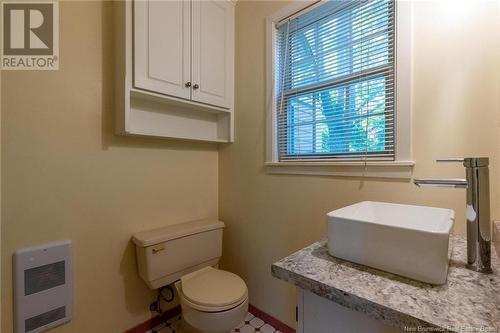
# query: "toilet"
187, 254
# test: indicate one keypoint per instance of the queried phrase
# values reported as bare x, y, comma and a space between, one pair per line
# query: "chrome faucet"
477, 209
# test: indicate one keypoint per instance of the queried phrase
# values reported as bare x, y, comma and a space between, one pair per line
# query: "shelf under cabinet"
156, 115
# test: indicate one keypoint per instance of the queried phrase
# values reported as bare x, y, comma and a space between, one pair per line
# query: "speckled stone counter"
468, 301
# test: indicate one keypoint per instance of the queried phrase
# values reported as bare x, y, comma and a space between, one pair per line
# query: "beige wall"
455, 113
66, 176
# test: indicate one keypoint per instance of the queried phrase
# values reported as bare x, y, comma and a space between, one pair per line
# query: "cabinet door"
162, 46
213, 52
318, 314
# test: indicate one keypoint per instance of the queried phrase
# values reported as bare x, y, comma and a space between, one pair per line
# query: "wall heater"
43, 287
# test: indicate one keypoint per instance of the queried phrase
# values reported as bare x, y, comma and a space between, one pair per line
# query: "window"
334, 82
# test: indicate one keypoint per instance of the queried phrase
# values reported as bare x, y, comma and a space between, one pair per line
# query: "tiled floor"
250, 324
253, 324
171, 326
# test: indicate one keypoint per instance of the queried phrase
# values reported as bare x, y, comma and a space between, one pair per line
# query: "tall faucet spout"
477, 208
441, 182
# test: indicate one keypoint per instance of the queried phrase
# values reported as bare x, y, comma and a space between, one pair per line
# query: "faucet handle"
453, 159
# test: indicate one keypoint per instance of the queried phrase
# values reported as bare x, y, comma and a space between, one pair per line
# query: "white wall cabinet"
175, 68
162, 47
213, 62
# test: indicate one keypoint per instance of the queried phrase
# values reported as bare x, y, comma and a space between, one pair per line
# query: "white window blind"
335, 82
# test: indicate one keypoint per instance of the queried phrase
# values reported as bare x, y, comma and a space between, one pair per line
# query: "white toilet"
212, 300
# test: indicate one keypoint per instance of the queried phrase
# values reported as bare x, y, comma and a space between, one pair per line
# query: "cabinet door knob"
187, 84
196, 86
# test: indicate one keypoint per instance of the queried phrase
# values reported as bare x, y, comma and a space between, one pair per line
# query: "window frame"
402, 165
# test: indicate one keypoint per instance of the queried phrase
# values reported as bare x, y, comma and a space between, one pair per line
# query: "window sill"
387, 169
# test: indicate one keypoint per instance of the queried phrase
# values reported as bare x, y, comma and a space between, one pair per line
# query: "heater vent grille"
43, 319
44, 277
43, 287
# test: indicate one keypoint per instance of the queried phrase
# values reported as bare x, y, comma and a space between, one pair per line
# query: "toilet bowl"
212, 301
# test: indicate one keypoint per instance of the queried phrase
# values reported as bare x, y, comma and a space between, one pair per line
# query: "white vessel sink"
411, 241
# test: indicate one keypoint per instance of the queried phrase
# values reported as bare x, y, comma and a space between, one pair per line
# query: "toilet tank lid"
160, 235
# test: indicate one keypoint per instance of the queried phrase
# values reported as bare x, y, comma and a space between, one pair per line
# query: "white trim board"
397, 170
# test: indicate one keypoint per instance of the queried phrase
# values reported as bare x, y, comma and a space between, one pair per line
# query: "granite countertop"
468, 300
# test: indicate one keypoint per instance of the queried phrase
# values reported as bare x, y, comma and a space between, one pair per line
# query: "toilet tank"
166, 254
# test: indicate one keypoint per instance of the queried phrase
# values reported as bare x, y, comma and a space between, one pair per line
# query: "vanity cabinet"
317, 314
175, 68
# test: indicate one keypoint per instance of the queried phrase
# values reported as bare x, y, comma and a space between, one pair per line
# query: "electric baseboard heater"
43, 287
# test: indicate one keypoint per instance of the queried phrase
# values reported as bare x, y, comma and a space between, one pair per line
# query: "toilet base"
194, 321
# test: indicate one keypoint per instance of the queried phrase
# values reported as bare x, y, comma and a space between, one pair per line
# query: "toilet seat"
213, 290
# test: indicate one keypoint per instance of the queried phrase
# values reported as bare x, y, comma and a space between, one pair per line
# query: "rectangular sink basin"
407, 240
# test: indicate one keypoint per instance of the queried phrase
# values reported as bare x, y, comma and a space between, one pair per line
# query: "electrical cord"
156, 305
